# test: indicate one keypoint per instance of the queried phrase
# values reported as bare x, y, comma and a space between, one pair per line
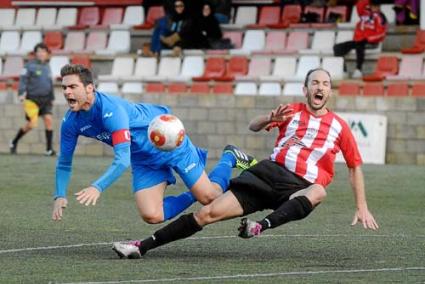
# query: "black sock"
49, 138
18, 136
294, 209
183, 227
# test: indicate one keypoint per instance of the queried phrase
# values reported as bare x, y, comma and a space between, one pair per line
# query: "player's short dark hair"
307, 77
374, 2
41, 45
84, 73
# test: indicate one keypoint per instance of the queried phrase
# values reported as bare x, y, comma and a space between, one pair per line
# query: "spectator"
407, 12
36, 93
369, 32
170, 29
209, 27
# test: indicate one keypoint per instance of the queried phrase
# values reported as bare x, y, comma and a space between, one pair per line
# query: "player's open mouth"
72, 102
318, 98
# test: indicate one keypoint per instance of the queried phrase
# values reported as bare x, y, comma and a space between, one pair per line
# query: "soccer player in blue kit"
123, 125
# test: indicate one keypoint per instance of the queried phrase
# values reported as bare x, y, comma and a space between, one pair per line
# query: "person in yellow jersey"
36, 93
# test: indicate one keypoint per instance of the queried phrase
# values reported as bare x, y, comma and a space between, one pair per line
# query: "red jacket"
372, 26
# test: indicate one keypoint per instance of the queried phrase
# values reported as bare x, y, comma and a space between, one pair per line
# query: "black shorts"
265, 186
44, 104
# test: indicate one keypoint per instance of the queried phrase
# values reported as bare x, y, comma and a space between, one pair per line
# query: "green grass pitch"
323, 248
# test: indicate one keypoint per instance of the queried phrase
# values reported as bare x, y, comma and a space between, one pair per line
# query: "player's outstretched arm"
58, 206
280, 114
362, 213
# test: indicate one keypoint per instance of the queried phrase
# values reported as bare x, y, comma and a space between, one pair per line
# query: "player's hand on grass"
58, 206
366, 218
281, 113
88, 196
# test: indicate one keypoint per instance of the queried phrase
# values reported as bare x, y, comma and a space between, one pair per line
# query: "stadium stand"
118, 43
82, 59
245, 15
146, 67
108, 87
323, 42
169, 68
9, 42
56, 63
386, 65
192, 66
236, 66
7, 17
25, 18
66, 17
418, 89
132, 88
235, 37
335, 66
258, 67
96, 40
223, 88
176, 88
12, 68
121, 67
246, 89
373, 89
112, 16
133, 16
154, 88
200, 88
215, 67
297, 40
291, 14
283, 69
269, 89
154, 13
398, 89
254, 40
275, 43
88, 17
293, 89
53, 40
269, 15
411, 67
74, 42
418, 46
28, 41
349, 89
46, 17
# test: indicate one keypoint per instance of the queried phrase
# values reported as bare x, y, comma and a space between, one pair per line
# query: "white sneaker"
128, 249
357, 74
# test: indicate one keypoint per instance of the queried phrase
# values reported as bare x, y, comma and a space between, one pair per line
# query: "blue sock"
222, 172
174, 205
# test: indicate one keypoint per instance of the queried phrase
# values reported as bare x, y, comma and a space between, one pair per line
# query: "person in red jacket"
369, 32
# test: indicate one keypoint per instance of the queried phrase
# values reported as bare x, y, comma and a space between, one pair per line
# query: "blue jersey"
120, 124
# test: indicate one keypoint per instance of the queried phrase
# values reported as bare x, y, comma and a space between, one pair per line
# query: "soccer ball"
166, 132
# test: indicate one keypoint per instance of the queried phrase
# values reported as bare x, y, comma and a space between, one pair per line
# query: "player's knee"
206, 198
317, 195
153, 217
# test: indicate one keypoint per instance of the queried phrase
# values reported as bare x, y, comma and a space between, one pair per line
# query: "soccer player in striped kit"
291, 181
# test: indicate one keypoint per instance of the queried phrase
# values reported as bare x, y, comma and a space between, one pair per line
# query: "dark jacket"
36, 80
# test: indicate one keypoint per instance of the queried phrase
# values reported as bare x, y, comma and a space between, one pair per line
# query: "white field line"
218, 237
259, 275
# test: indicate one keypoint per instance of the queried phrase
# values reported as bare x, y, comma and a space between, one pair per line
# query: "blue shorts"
189, 165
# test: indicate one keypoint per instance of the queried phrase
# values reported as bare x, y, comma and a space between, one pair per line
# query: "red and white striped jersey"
307, 144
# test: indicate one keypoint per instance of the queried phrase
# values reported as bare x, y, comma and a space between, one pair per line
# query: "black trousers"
341, 49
